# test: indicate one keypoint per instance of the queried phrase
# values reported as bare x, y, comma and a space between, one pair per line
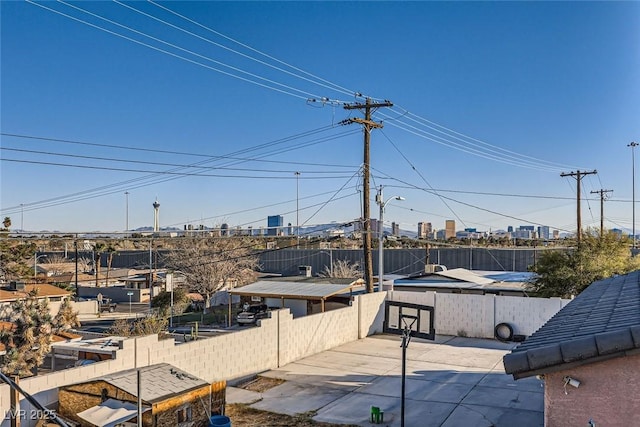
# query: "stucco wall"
609, 394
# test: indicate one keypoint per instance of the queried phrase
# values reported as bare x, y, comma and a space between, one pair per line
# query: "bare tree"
213, 264
342, 269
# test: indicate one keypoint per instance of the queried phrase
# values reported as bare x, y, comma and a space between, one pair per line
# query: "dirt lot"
245, 416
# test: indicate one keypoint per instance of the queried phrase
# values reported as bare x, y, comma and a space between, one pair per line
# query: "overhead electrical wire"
471, 140
308, 94
4, 159
143, 162
451, 138
321, 82
210, 157
139, 182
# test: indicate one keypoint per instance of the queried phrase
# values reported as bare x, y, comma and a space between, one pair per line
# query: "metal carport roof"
295, 290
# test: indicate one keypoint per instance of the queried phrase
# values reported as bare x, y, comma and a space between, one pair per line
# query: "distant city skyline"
231, 112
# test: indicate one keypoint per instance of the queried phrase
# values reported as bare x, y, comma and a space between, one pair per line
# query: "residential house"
589, 357
19, 290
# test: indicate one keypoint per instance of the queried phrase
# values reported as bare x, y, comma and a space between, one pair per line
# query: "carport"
296, 290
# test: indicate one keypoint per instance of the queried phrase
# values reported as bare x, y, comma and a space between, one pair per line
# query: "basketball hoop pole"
406, 339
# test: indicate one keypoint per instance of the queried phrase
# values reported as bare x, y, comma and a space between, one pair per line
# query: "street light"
297, 211
126, 194
633, 146
379, 201
35, 264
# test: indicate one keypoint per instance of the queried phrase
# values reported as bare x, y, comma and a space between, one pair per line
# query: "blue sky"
525, 90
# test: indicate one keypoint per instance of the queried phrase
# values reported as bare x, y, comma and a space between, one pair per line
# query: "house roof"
602, 322
294, 290
44, 290
159, 382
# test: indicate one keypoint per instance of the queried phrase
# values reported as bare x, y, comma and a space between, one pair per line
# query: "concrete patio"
450, 382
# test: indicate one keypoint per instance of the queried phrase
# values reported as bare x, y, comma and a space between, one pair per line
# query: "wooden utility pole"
603, 196
578, 176
368, 107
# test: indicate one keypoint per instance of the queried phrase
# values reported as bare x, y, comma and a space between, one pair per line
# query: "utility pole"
578, 176
633, 146
368, 107
603, 196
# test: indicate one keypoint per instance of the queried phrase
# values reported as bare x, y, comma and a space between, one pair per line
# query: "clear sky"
205, 106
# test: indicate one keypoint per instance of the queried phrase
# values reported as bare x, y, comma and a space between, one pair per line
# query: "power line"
112, 159
286, 92
321, 82
130, 184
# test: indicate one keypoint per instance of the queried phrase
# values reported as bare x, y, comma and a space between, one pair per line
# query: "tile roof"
159, 382
600, 323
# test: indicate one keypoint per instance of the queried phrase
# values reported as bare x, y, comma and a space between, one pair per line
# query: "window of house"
184, 414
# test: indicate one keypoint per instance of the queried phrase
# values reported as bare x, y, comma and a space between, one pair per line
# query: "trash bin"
219, 421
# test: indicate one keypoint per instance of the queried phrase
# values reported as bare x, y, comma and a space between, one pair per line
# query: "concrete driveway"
450, 382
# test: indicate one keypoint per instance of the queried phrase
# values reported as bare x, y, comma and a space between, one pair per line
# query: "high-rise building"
510, 229
424, 230
450, 229
543, 232
395, 229
274, 225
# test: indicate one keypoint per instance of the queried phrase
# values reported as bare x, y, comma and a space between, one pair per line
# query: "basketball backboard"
419, 319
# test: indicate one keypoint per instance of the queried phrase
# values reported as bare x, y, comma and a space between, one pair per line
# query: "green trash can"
219, 421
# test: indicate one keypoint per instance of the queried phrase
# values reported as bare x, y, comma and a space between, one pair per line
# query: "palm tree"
98, 249
110, 251
6, 223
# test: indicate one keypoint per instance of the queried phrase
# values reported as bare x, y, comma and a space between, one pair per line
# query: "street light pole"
297, 211
633, 146
126, 194
379, 200
35, 264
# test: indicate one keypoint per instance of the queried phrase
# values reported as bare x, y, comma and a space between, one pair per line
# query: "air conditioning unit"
304, 270
434, 268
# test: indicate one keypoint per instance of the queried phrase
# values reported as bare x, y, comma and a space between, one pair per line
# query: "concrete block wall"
312, 334
472, 315
371, 313
477, 315
526, 315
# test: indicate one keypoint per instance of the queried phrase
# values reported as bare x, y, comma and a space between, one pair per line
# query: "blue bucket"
219, 421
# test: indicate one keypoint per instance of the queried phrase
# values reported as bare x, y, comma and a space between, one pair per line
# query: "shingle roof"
159, 382
600, 323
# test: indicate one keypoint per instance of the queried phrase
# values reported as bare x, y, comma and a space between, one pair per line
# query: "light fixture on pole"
633, 146
380, 201
35, 264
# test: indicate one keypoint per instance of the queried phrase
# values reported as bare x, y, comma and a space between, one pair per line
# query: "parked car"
107, 304
251, 314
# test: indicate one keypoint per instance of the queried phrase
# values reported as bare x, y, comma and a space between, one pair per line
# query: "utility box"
304, 270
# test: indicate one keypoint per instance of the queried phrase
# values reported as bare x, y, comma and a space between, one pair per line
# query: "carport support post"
229, 321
